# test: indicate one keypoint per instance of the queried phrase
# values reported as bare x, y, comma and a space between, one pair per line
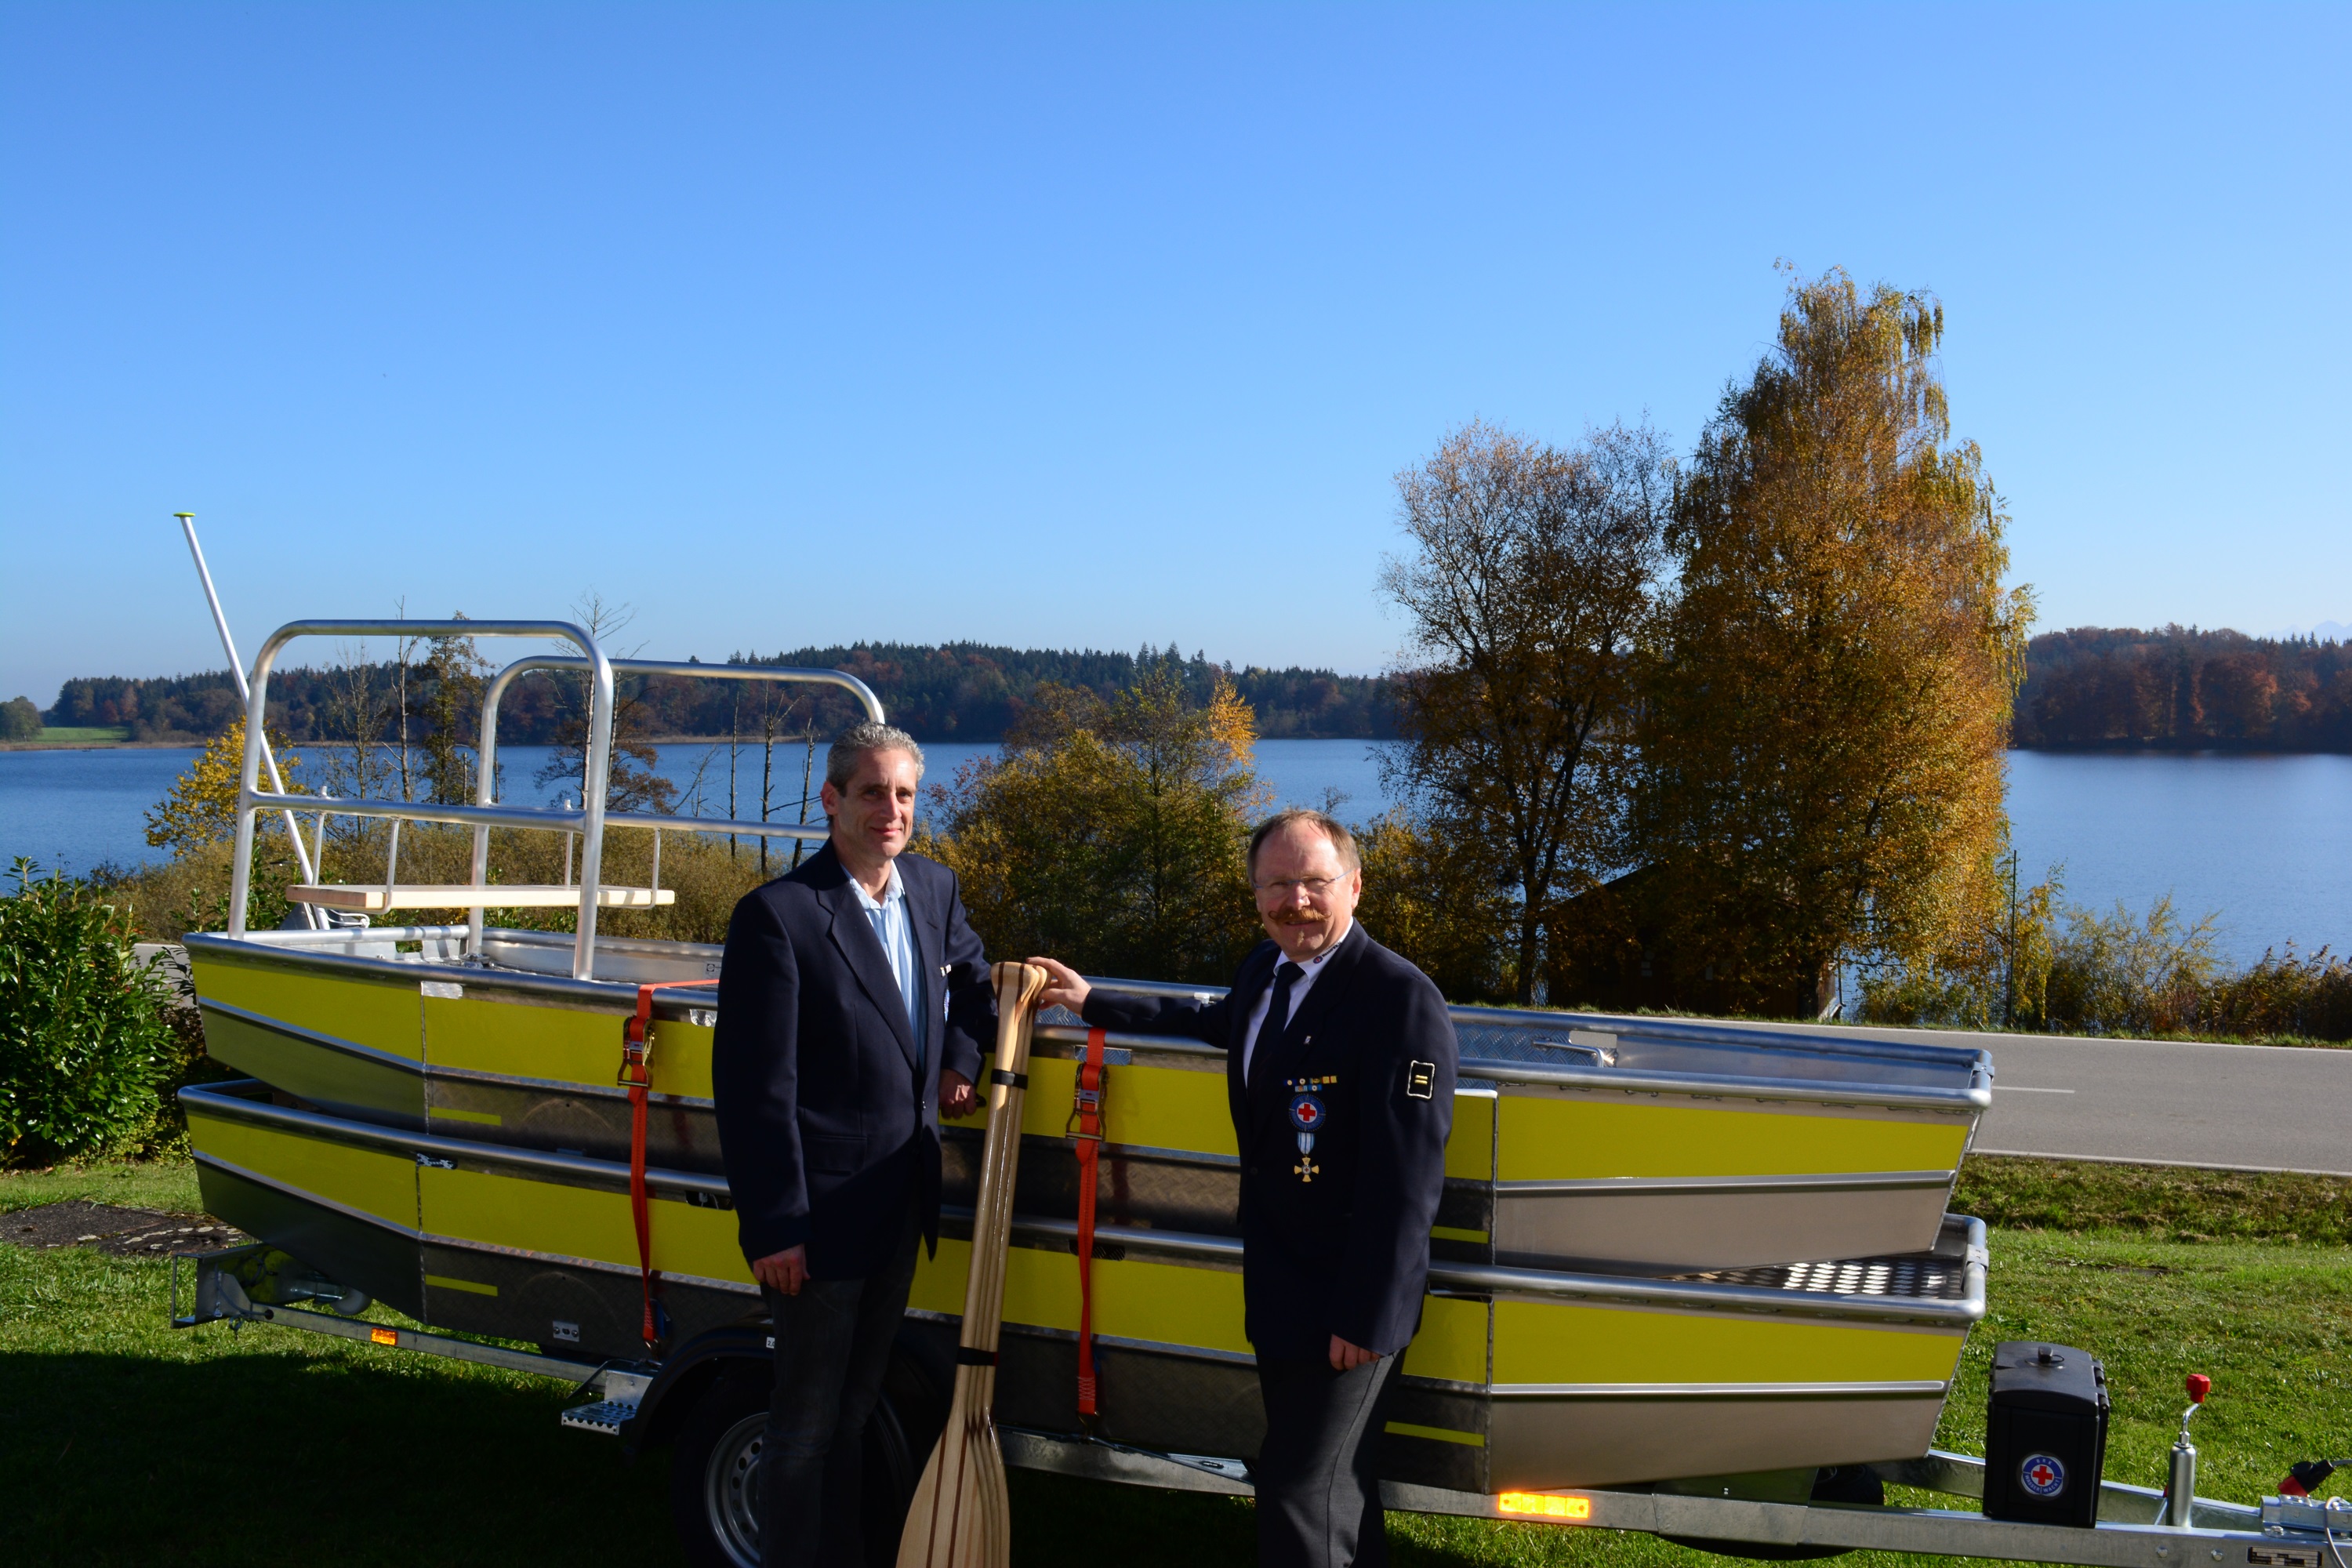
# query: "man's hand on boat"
1065, 986
782, 1271
956, 1097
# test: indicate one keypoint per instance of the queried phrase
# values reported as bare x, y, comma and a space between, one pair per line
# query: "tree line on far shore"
954, 691
2111, 687
2181, 688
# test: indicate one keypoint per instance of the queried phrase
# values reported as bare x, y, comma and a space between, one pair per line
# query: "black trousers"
1318, 1487
833, 1347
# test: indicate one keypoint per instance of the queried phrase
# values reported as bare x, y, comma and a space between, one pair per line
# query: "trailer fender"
922, 1373
686, 1374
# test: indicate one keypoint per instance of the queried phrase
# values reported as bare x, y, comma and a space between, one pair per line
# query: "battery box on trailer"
2045, 1434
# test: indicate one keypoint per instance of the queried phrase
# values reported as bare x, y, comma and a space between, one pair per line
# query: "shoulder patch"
1419, 1080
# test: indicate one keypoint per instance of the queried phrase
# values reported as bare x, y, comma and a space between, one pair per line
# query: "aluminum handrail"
598, 762
485, 786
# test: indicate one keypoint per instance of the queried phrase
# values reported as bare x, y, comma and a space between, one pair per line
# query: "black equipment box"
2045, 1434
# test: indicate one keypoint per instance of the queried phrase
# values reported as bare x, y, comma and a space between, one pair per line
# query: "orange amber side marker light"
1544, 1505
383, 1336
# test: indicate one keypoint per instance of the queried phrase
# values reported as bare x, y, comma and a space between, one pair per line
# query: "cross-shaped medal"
1306, 1170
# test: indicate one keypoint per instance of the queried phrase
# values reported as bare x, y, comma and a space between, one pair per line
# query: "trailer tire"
715, 1465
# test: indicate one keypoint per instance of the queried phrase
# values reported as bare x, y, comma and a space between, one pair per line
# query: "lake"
2264, 841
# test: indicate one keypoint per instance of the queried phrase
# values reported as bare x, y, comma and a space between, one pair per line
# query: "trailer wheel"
714, 1477
714, 1471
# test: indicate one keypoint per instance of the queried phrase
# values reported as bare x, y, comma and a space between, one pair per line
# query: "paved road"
2263, 1107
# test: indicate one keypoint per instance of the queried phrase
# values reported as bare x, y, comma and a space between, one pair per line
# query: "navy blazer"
1335, 1239
828, 1105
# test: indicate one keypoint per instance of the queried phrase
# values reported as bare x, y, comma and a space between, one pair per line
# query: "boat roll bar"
590, 819
486, 785
589, 822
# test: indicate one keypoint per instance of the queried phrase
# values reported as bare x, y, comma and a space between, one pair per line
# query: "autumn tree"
200, 809
1112, 835
1830, 701
1529, 580
1437, 907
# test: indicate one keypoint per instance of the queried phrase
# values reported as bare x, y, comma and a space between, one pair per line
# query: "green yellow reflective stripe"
364, 1009
1438, 1434
442, 1281
1548, 1342
1546, 1137
487, 1118
1456, 1232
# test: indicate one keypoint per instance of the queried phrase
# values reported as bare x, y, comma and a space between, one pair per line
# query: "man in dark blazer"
1339, 1073
853, 1002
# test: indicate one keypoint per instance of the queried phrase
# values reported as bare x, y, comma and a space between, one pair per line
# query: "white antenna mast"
245, 696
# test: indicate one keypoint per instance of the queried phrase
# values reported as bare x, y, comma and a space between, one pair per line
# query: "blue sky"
1103, 324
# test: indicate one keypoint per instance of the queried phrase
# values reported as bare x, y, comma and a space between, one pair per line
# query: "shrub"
19, 719
84, 1046
2114, 975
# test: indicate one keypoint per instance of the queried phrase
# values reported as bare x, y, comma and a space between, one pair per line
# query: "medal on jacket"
1307, 1114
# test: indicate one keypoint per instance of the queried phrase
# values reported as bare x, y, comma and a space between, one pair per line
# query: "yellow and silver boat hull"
1625, 1143
1519, 1378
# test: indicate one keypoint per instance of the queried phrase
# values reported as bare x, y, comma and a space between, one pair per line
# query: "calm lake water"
2265, 842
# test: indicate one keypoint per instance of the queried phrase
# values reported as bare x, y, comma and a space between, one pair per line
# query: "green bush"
19, 719
84, 1048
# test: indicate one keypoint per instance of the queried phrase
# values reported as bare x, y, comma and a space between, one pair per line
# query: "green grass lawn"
85, 734
123, 1441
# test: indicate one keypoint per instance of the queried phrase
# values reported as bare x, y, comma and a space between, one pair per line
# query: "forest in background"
2171, 688
2182, 689
955, 691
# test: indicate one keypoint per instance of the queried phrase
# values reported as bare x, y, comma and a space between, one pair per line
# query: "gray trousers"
1318, 1487
833, 1347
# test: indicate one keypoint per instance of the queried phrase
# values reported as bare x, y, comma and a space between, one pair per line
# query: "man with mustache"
1339, 1074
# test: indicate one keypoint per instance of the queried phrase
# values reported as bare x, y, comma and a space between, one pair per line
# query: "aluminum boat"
1519, 1378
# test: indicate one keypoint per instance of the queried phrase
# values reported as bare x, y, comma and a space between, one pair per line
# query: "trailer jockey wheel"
714, 1469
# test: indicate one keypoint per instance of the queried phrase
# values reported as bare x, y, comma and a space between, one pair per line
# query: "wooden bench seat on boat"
465, 895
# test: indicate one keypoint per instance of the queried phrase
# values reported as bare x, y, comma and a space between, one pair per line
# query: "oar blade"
961, 1516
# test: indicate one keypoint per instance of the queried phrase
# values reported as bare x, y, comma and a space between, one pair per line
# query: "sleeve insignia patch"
1419, 1080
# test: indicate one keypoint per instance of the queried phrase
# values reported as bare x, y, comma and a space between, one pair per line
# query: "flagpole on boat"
245, 697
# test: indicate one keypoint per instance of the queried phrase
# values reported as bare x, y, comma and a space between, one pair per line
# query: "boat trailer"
2135, 1527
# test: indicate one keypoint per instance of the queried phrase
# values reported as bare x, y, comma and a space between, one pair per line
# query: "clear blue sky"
1104, 324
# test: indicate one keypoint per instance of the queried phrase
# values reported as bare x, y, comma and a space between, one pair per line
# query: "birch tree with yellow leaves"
1112, 835
1830, 694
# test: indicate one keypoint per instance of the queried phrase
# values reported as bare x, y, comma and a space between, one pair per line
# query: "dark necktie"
1277, 1016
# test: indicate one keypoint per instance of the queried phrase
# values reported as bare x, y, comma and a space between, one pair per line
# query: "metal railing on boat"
589, 820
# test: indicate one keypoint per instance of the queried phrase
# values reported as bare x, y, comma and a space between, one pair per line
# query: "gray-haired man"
853, 1005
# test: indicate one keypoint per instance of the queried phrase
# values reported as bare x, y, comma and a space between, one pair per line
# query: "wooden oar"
960, 1516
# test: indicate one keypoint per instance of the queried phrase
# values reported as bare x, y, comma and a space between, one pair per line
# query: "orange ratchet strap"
1084, 1130
636, 1076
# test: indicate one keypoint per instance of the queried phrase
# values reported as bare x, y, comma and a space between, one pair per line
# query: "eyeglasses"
1312, 886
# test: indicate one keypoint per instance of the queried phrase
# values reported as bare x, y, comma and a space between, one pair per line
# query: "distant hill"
959, 692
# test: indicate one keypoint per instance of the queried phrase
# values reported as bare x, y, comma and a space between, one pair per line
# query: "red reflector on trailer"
383, 1336
1544, 1505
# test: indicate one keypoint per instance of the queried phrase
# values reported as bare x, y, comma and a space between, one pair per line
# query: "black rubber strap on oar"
1003, 1080
967, 1356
